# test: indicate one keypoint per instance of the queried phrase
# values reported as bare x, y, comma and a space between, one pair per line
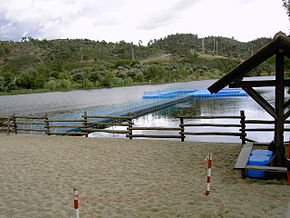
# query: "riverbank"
62, 89
151, 178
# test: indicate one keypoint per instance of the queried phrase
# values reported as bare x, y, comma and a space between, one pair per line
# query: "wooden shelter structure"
280, 47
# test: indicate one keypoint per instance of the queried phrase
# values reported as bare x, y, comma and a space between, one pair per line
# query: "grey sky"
134, 20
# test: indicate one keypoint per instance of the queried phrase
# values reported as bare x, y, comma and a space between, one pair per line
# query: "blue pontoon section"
204, 93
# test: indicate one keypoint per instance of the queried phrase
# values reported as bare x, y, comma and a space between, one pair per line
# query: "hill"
63, 64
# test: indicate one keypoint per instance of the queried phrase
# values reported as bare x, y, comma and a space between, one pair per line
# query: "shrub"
116, 81
51, 85
139, 77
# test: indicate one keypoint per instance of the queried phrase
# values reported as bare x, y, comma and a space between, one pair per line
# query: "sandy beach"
128, 178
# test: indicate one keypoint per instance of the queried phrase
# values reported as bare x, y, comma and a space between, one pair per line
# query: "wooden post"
47, 125
243, 127
129, 128
8, 128
14, 124
182, 129
86, 122
279, 107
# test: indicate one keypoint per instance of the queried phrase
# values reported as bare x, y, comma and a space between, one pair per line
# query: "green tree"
2, 84
24, 80
38, 81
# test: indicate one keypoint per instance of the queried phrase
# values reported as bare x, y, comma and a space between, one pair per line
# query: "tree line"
65, 64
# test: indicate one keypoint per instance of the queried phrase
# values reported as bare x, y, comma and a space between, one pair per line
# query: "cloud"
53, 17
14, 30
168, 16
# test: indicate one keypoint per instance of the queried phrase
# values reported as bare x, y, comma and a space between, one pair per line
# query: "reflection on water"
207, 107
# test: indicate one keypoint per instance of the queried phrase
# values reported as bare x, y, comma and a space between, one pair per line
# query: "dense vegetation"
65, 64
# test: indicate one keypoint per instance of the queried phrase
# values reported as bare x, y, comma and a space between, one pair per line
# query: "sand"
144, 178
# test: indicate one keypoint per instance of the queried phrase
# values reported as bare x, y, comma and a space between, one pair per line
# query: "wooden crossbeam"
287, 103
287, 114
267, 168
258, 83
261, 101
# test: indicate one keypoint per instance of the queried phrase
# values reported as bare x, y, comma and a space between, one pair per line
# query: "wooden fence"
89, 124
185, 126
5, 125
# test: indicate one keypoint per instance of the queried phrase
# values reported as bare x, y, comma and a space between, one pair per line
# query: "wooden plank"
244, 155
107, 131
154, 136
110, 117
267, 168
264, 129
29, 123
264, 121
32, 130
65, 126
64, 121
259, 129
258, 83
29, 118
213, 133
108, 124
155, 128
67, 133
3, 130
212, 124
260, 121
209, 117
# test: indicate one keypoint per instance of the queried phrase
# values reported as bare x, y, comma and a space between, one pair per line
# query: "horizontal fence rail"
153, 129
90, 124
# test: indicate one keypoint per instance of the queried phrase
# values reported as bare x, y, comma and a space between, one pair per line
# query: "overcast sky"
134, 20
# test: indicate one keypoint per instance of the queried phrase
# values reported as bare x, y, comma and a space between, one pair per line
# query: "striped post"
288, 163
209, 162
76, 203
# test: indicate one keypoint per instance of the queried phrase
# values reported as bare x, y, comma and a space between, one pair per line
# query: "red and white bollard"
209, 161
76, 203
288, 163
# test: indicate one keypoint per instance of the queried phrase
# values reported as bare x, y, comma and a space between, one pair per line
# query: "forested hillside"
65, 64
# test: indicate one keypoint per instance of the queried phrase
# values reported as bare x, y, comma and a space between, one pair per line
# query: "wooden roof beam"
238, 72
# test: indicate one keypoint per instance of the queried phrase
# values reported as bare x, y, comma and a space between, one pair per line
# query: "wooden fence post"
243, 127
14, 124
47, 124
8, 127
129, 128
182, 129
86, 122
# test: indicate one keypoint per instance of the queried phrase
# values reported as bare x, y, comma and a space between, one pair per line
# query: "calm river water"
73, 103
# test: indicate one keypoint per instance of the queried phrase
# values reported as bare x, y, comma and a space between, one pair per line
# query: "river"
72, 103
